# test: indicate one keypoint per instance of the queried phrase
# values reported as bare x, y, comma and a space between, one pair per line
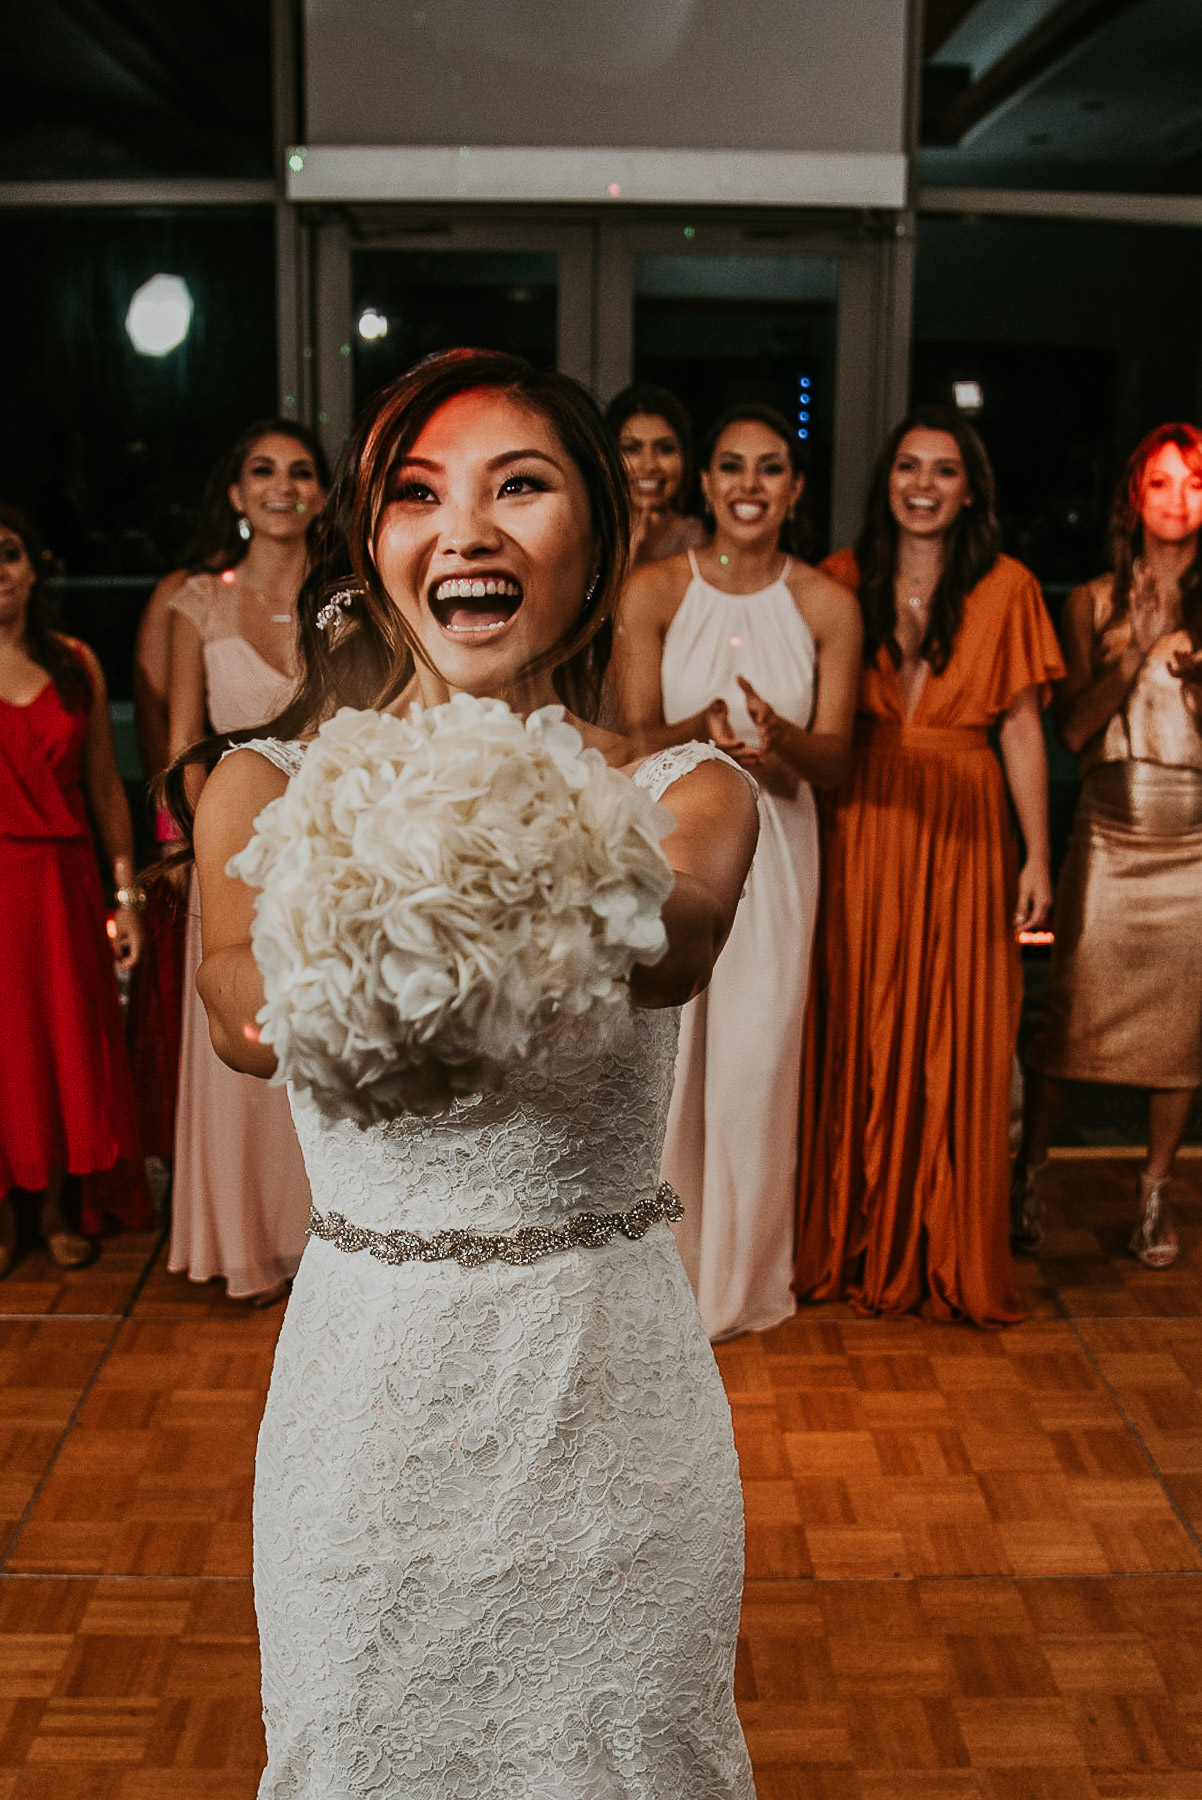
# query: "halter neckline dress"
731, 1144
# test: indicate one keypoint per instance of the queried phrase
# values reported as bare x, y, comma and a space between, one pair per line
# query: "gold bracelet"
133, 898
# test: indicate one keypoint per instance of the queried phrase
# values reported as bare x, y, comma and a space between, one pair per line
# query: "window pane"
107, 449
722, 330
435, 300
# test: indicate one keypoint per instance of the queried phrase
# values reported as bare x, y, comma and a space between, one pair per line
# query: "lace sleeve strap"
286, 756
658, 772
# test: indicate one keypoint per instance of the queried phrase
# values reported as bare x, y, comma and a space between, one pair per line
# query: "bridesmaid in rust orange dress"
914, 1005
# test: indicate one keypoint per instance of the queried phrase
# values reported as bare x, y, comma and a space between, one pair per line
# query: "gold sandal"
1154, 1240
71, 1250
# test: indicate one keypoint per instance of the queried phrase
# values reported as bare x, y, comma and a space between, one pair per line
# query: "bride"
498, 1519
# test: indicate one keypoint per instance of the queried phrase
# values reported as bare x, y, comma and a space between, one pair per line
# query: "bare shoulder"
158, 607
716, 821
88, 658
713, 783
655, 590
235, 794
828, 608
198, 597
1090, 601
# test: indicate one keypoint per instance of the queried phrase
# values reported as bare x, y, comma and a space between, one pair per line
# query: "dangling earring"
592, 589
244, 528
792, 513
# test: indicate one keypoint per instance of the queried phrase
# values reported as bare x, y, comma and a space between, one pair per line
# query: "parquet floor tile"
156, 1476
892, 1448
1155, 1369
44, 1367
38, 1285
991, 1688
129, 1690
1091, 1209
974, 1558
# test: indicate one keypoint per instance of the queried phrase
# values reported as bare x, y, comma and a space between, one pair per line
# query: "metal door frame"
595, 309
872, 319
335, 235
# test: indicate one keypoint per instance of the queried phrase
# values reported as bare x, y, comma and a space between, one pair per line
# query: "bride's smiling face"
485, 543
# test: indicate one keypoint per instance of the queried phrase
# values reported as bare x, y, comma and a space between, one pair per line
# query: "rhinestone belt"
583, 1231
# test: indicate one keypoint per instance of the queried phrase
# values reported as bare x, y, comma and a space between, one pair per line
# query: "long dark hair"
218, 543
1126, 523
658, 402
795, 533
367, 659
971, 547
44, 640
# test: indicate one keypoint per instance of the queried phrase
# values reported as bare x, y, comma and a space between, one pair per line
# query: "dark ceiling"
106, 89
1087, 94
1017, 93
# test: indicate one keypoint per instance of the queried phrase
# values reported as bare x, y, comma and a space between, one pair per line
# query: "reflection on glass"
722, 330
413, 302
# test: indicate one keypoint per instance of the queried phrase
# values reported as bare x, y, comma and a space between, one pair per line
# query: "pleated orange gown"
916, 989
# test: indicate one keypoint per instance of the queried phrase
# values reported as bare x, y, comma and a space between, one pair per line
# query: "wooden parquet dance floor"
974, 1560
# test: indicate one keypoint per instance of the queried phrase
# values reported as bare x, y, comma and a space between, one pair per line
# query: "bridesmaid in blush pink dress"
240, 1196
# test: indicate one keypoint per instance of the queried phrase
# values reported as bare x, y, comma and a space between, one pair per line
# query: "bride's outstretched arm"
710, 851
228, 980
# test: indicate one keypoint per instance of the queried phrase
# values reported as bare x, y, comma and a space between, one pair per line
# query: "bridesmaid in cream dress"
240, 1196
744, 644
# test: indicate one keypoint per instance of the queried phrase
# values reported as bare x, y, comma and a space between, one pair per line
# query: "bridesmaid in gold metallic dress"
1125, 998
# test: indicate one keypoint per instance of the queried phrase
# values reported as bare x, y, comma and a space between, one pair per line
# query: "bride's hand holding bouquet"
444, 897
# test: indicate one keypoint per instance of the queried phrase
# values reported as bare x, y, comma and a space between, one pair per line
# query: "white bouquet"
444, 896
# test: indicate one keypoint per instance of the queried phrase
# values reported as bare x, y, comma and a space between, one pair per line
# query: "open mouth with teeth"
475, 605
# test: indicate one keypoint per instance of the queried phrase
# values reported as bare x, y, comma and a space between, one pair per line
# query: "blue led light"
805, 381
804, 417
802, 432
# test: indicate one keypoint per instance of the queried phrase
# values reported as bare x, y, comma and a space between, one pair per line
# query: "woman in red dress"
916, 988
66, 1101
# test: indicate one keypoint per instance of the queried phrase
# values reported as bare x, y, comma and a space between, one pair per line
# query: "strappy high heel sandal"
1154, 1241
1028, 1215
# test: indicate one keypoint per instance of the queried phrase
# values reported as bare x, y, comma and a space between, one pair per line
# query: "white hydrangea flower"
444, 896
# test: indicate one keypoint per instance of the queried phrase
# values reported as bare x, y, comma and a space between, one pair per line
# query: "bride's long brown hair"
366, 659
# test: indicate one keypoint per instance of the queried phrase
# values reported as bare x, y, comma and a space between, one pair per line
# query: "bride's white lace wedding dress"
498, 1518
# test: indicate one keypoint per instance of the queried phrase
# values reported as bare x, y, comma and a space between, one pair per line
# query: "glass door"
408, 303
391, 288
807, 314
723, 330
